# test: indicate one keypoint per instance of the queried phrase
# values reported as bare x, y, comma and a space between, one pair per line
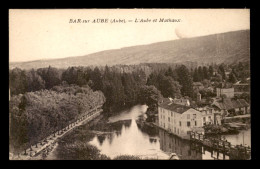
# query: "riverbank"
111, 138
47, 144
51, 153
75, 146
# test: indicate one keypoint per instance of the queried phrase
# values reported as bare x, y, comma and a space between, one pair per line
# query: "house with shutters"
179, 119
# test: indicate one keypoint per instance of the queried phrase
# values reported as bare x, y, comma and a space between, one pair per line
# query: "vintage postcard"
129, 84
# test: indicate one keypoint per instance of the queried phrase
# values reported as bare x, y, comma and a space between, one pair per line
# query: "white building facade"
179, 119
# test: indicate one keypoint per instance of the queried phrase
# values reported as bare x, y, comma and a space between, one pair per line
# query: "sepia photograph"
129, 84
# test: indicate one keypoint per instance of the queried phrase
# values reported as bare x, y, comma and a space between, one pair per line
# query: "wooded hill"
230, 47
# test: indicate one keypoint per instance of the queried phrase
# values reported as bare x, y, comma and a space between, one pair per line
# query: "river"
130, 138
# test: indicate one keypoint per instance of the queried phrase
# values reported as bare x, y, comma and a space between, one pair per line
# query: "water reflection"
132, 113
182, 148
131, 141
244, 138
130, 138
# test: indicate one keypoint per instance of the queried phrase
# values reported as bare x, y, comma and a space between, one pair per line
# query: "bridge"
220, 145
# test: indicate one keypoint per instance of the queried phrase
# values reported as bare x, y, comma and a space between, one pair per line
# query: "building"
181, 101
198, 85
229, 92
179, 119
210, 115
231, 106
198, 97
240, 88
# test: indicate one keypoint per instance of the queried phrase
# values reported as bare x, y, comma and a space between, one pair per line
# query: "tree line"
36, 115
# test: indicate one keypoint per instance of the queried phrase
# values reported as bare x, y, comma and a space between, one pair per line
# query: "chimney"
198, 97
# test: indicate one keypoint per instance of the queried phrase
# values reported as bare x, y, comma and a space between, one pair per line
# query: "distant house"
181, 101
210, 115
211, 89
179, 119
240, 88
198, 97
227, 106
229, 92
198, 85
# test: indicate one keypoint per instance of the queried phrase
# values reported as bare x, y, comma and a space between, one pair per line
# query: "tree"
200, 74
153, 80
211, 70
169, 87
35, 82
205, 73
18, 81
196, 75
150, 96
51, 76
96, 78
35, 115
185, 81
232, 78
171, 73
222, 71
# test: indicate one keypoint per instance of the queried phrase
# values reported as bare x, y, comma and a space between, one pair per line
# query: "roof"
174, 107
164, 100
241, 84
231, 103
197, 84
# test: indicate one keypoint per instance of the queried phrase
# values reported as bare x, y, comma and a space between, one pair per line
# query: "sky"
36, 34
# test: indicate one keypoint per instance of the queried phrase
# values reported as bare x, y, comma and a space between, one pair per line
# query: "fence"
221, 145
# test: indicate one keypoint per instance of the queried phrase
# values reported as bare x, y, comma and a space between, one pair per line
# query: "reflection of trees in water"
151, 131
101, 139
153, 140
118, 133
118, 125
173, 144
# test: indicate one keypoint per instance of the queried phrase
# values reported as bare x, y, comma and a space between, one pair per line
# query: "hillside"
230, 47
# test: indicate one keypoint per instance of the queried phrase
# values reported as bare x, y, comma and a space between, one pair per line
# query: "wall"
170, 121
229, 92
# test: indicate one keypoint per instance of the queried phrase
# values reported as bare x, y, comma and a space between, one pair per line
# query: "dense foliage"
35, 115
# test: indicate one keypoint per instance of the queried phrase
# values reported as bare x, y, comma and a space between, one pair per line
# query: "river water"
131, 138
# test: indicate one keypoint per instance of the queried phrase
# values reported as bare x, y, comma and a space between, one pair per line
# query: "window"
194, 116
169, 119
180, 123
195, 123
171, 113
188, 123
175, 130
204, 119
188, 116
